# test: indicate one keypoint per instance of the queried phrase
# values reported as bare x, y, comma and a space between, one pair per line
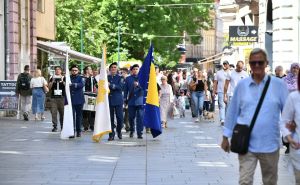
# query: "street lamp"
81, 36
119, 41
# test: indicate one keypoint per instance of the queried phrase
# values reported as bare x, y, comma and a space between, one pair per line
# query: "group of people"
238, 94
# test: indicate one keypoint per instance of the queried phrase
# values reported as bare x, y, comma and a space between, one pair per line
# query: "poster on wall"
243, 34
8, 97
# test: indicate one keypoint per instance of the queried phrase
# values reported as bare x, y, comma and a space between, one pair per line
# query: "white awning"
62, 51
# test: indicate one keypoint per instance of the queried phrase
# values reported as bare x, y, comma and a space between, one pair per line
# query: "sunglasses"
259, 62
75, 70
225, 64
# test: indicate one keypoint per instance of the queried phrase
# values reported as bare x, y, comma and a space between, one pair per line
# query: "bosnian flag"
68, 127
102, 124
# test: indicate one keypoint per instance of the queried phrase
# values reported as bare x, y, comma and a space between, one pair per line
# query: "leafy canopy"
139, 25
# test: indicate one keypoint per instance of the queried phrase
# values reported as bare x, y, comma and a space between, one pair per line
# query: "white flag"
102, 124
68, 126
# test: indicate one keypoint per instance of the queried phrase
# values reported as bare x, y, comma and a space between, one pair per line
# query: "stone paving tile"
186, 153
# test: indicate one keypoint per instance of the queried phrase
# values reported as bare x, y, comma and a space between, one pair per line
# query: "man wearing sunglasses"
218, 89
77, 98
264, 141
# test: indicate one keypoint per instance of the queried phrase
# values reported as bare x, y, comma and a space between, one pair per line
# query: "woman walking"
166, 100
38, 84
199, 85
291, 115
291, 78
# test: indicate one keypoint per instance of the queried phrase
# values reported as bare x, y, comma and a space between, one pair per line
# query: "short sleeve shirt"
220, 77
234, 78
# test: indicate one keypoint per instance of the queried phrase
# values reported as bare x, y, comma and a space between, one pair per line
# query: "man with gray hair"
264, 138
279, 72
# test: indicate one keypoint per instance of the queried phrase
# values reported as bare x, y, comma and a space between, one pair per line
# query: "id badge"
57, 92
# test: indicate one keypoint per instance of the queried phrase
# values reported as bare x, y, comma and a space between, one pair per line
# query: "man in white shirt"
219, 82
232, 80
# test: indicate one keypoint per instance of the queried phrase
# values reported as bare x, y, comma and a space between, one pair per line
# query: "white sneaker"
196, 120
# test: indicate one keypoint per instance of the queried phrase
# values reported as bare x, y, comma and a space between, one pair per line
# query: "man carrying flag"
147, 80
102, 124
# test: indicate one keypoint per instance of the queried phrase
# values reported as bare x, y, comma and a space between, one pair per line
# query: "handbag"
241, 133
90, 101
45, 87
192, 86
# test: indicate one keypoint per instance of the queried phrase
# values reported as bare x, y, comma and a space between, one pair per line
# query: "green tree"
102, 18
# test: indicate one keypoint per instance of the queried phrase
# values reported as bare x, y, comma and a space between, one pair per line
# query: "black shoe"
120, 135
111, 138
140, 137
54, 129
25, 115
131, 134
71, 137
78, 134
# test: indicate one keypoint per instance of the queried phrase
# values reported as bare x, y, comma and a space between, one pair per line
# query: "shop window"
41, 6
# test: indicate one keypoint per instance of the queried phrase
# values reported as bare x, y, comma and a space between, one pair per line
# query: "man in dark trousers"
115, 83
57, 90
133, 95
23, 89
77, 98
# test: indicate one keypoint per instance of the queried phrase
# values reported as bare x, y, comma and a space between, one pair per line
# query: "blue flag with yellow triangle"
147, 80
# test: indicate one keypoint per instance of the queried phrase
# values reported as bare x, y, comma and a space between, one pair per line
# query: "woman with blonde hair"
166, 100
39, 87
198, 86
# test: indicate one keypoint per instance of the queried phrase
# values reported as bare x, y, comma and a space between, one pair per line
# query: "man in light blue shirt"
265, 136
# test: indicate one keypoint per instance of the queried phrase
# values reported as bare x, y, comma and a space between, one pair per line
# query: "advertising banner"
8, 97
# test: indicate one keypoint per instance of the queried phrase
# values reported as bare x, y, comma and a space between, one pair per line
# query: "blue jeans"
77, 117
138, 113
38, 100
118, 110
198, 98
222, 106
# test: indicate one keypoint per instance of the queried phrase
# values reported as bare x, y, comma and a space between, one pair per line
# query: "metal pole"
119, 42
81, 40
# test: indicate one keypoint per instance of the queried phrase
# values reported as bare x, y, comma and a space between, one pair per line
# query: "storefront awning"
62, 51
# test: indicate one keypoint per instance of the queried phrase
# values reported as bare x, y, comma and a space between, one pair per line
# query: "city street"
186, 153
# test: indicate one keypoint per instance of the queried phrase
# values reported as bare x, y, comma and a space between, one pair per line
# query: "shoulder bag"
241, 133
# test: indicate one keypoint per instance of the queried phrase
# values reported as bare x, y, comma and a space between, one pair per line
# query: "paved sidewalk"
186, 153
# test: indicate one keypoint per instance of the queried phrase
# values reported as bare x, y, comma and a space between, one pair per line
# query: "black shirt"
57, 85
200, 85
89, 84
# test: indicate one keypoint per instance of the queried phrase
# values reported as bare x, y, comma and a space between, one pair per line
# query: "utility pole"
119, 41
81, 36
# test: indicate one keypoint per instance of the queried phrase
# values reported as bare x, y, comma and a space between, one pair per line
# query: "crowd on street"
264, 107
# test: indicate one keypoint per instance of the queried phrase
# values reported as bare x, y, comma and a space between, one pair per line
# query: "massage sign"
243, 34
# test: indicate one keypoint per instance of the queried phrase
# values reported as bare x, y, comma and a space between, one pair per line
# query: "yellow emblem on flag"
152, 96
101, 91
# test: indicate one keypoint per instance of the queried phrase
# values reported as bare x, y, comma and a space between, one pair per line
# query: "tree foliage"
103, 18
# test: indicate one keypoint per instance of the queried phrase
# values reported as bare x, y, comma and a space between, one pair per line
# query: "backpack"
24, 82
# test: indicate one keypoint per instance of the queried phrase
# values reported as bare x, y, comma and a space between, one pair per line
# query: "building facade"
26, 21
279, 32
278, 27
